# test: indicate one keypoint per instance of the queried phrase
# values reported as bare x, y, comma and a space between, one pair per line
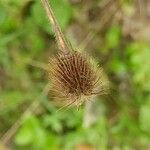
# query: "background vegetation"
116, 34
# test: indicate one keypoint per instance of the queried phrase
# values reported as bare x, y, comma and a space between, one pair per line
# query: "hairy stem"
60, 39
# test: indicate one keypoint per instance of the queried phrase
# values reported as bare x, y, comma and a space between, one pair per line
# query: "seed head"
75, 78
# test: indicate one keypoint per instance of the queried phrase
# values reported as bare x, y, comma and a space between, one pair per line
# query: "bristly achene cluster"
74, 76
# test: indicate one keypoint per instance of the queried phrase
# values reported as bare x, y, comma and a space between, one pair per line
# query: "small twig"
140, 5
85, 42
38, 64
103, 21
31, 109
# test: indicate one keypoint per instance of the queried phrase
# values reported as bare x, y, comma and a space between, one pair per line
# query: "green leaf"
2, 15
52, 141
139, 54
29, 131
117, 66
33, 134
145, 117
25, 135
113, 37
10, 100
53, 121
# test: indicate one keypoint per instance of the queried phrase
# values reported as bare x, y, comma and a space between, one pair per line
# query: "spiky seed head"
75, 78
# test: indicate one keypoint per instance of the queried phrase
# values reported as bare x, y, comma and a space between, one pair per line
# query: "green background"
120, 46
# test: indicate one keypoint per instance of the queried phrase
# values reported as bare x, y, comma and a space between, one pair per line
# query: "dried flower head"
75, 78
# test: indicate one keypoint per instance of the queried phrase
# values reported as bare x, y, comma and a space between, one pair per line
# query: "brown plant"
74, 76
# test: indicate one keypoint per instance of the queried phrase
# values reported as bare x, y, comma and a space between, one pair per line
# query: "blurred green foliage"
25, 37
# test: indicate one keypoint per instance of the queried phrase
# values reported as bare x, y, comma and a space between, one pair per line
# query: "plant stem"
60, 38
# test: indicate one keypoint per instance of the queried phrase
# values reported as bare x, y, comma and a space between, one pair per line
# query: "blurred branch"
2, 147
38, 64
31, 109
110, 9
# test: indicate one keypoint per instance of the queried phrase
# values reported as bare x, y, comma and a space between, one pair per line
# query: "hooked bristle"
75, 78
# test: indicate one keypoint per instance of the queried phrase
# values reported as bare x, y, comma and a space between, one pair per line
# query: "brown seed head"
75, 78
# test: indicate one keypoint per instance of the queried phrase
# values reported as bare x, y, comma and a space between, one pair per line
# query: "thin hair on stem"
60, 38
